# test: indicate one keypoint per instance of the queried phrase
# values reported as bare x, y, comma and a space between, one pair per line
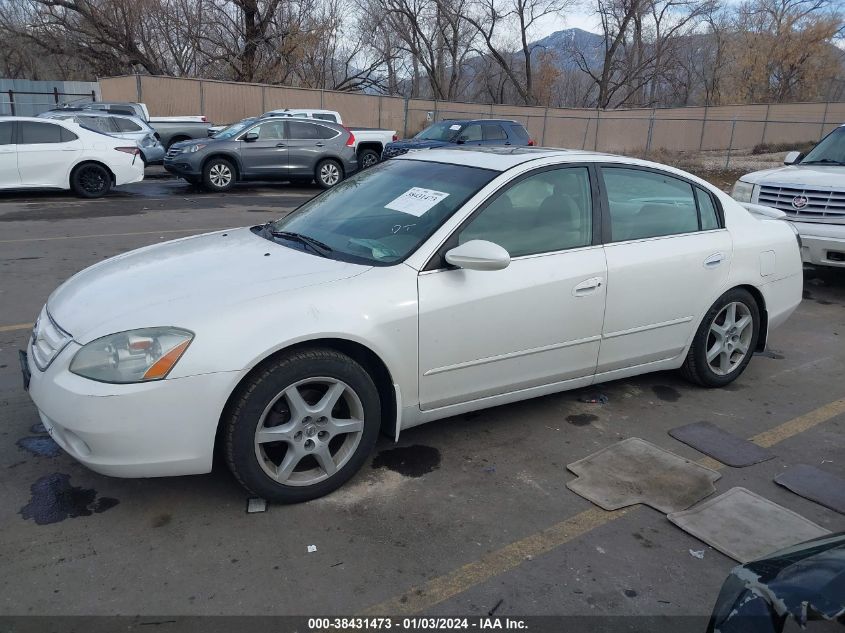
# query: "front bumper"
153, 429
181, 165
822, 244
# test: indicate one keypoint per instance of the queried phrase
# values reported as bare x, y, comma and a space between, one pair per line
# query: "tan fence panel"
119, 89
224, 103
361, 110
166, 96
569, 130
622, 130
278, 98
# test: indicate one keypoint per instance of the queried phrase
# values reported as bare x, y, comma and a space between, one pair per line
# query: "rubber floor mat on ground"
744, 525
635, 471
816, 485
720, 445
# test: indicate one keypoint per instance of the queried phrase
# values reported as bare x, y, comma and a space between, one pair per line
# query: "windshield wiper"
321, 248
822, 161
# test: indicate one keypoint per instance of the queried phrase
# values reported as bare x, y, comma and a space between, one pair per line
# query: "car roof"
478, 121
7, 117
495, 158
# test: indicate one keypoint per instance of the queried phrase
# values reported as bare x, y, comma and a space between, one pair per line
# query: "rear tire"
367, 158
302, 426
725, 340
218, 174
328, 173
91, 180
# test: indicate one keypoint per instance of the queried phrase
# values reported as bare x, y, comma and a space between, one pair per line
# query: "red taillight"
129, 150
350, 142
531, 142
204, 119
395, 137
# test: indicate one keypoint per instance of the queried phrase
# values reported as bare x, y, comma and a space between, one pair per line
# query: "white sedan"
438, 283
50, 154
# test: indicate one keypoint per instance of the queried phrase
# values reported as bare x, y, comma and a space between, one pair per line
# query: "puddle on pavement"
667, 394
42, 446
410, 461
54, 500
581, 419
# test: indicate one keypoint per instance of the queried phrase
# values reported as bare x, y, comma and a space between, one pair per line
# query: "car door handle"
714, 260
321, 144
280, 145
588, 287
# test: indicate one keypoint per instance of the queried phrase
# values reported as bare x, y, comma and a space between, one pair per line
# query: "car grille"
48, 339
173, 152
392, 152
803, 201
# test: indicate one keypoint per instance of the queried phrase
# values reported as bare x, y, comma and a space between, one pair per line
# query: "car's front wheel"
218, 175
328, 173
725, 340
90, 180
302, 426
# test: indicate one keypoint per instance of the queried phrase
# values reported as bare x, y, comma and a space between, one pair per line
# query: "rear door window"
493, 132
7, 133
518, 134
304, 131
646, 204
32, 133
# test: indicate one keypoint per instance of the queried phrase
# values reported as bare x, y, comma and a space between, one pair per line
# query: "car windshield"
381, 215
234, 129
445, 131
830, 150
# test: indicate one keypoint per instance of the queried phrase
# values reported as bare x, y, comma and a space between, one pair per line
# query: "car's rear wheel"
302, 426
367, 158
725, 340
91, 180
328, 173
218, 174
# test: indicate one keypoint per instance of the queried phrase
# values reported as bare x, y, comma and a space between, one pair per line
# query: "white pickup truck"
811, 191
369, 142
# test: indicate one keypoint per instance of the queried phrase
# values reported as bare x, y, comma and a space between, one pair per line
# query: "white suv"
811, 191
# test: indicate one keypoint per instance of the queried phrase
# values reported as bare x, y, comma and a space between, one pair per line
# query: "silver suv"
295, 150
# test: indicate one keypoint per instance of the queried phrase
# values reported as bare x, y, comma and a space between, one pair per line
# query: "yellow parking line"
13, 328
79, 237
510, 556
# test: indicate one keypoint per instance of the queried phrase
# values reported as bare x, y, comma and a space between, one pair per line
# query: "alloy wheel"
92, 180
309, 431
729, 338
329, 174
368, 160
220, 175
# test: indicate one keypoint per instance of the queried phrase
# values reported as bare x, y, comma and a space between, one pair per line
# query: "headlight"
193, 148
133, 356
742, 191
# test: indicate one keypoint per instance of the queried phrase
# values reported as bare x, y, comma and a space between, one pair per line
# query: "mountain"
563, 44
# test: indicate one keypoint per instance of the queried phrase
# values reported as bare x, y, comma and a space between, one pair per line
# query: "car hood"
413, 143
824, 177
183, 281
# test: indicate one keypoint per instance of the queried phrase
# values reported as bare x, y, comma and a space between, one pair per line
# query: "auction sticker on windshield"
416, 201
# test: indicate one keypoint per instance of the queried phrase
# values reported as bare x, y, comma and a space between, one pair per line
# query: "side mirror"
792, 157
462, 139
251, 137
479, 255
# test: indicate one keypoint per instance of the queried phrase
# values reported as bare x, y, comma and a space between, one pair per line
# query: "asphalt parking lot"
464, 516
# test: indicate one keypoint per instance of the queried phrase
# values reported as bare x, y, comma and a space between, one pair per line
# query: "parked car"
268, 149
369, 142
422, 288
40, 154
168, 129
800, 586
122, 126
811, 191
463, 132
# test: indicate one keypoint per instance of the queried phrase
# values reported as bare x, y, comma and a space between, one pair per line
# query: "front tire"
218, 175
302, 426
725, 340
328, 173
91, 181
